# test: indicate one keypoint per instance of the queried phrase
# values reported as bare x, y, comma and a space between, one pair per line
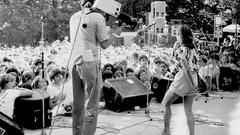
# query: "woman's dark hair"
215, 57
5, 59
65, 74
227, 39
14, 71
36, 80
140, 72
143, 57
135, 54
37, 62
107, 65
5, 79
187, 36
117, 68
107, 75
54, 73
129, 70
27, 75
204, 59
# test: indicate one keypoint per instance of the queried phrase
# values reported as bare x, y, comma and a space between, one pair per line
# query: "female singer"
184, 83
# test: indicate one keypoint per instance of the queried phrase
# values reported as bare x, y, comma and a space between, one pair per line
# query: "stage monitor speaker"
226, 78
28, 110
159, 86
8, 126
125, 93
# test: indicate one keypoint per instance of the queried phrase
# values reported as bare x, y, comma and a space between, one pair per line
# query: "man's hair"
85, 1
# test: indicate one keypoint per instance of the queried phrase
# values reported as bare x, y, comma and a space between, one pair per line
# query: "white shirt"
85, 41
7, 100
53, 90
210, 71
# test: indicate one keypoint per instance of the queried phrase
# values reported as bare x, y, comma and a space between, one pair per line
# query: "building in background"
157, 15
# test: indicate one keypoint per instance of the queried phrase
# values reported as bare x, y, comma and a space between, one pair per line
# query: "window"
153, 12
161, 30
162, 14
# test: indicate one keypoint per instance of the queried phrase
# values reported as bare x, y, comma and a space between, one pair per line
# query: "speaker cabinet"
28, 110
8, 126
160, 87
125, 93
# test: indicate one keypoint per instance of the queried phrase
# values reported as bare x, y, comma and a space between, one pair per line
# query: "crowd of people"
225, 62
25, 69
23, 66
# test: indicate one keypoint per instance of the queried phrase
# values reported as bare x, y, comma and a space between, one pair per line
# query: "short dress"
181, 84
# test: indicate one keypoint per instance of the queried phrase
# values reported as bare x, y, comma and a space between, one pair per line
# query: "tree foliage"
199, 14
20, 20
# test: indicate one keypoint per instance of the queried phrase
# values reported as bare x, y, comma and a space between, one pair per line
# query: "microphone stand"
41, 42
147, 92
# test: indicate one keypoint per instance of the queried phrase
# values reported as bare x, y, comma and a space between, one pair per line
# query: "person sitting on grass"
162, 69
39, 83
9, 92
55, 89
211, 73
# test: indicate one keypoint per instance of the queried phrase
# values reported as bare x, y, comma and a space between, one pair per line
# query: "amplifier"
28, 110
8, 126
111, 7
125, 94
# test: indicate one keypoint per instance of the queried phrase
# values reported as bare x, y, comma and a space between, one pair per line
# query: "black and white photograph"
119, 67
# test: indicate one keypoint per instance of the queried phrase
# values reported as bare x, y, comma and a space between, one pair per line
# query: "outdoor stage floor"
216, 117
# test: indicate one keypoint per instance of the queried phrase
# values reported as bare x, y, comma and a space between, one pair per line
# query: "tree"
22, 21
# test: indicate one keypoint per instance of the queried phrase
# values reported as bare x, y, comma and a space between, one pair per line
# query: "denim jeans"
86, 77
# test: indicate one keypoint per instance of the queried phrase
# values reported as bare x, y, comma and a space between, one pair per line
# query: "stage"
217, 116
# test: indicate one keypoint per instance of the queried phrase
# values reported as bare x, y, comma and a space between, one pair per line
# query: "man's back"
91, 29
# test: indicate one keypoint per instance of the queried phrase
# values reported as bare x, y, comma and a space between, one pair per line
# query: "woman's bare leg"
188, 101
168, 99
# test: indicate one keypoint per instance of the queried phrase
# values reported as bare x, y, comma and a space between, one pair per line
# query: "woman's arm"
187, 71
217, 80
24, 92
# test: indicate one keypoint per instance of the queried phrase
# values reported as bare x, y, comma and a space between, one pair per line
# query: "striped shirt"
86, 40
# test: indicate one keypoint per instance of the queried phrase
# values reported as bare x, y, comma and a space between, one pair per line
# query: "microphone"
150, 25
128, 20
